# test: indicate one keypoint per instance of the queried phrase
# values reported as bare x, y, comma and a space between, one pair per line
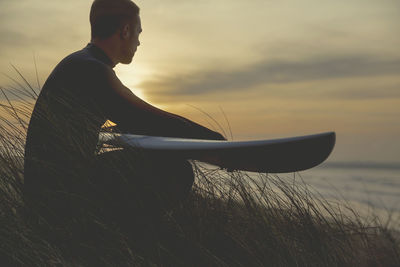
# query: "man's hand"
200, 132
218, 136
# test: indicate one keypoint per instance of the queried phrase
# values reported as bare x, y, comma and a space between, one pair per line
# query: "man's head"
117, 24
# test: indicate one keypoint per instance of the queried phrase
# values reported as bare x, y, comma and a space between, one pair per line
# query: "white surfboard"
269, 156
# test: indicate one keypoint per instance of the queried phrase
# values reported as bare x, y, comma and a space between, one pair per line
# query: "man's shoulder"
81, 62
83, 58
78, 69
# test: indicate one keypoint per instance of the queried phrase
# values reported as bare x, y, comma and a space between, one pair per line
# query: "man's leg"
129, 181
54, 191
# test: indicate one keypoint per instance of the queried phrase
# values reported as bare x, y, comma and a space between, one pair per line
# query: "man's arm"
132, 114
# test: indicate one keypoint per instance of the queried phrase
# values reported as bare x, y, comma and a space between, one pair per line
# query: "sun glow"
131, 78
139, 93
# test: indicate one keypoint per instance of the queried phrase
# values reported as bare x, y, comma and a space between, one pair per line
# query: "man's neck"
108, 48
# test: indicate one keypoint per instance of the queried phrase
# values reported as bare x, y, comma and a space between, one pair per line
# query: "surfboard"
267, 156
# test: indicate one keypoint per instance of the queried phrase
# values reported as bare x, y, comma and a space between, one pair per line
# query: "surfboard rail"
271, 156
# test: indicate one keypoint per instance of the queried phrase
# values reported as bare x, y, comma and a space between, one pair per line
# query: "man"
61, 166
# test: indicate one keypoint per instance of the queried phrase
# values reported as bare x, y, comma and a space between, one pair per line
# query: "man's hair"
107, 16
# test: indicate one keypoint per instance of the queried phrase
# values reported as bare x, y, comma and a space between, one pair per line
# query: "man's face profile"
130, 41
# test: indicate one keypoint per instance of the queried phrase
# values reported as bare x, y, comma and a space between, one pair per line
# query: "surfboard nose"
290, 155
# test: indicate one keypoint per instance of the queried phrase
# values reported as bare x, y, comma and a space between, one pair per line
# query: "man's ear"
125, 32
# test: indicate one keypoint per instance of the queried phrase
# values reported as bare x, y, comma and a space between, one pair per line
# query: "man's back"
67, 117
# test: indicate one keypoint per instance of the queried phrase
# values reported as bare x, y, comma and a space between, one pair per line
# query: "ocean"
372, 189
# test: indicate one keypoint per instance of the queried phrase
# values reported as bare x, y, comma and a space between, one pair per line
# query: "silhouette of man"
62, 169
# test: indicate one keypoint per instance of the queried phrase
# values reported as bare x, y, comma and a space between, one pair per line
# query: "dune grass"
229, 219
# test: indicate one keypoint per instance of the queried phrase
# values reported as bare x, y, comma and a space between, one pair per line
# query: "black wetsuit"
78, 97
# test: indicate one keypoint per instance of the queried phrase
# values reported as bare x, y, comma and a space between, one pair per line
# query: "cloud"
272, 72
366, 92
27, 23
12, 38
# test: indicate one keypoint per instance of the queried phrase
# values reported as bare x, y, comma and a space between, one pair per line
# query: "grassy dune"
229, 219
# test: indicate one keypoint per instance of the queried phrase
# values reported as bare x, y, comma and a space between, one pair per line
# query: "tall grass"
229, 219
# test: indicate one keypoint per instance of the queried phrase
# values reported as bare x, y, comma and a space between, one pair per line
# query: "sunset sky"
275, 68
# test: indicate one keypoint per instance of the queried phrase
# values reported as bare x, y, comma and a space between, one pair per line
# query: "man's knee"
184, 174
146, 175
